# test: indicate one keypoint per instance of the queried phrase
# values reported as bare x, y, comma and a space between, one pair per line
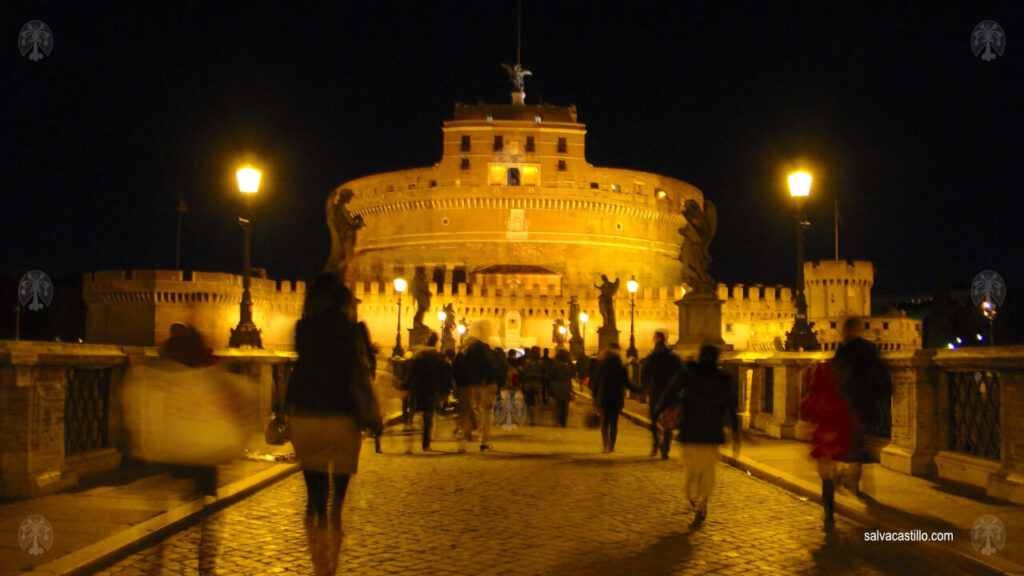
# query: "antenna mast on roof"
517, 73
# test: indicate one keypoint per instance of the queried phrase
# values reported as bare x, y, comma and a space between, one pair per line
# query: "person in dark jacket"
329, 401
610, 382
560, 378
658, 369
532, 374
429, 383
548, 363
866, 384
473, 373
708, 400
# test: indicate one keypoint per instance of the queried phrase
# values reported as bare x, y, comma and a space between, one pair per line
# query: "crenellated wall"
138, 307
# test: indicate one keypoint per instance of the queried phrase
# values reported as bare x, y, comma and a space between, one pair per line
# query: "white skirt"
327, 443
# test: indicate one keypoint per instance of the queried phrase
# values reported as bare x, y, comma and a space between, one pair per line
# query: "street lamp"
583, 320
632, 285
801, 337
400, 286
246, 333
442, 316
988, 308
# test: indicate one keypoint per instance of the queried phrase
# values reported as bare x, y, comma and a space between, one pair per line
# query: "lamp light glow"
632, 285
400, 285
584, 317
248, 180
460, 328
800, 184
441, 315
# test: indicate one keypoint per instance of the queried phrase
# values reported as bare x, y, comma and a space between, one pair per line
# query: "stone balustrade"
955, 413
61, 415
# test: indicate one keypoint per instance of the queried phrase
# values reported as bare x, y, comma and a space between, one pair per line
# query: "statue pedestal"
576, 348
700, 322
605, 336
418, 336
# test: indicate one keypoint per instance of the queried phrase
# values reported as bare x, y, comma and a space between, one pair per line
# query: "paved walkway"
897, 501
544, 501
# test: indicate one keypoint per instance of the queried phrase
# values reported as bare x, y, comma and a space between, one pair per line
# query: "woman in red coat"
832, 440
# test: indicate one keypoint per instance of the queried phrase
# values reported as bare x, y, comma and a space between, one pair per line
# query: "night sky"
919, 139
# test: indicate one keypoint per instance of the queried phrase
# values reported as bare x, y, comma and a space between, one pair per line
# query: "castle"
509, 225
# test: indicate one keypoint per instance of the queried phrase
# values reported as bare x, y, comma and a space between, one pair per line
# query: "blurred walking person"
610, 382
707, 398
866, 384
560, 378
473, 372
532, 375
657, 371
429, 383
329, 400
832, 439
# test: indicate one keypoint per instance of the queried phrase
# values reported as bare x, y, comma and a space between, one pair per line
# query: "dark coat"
610, 382
561, 381
429, 379
473, 367
708, 401
658, 369
865, 380
332, 359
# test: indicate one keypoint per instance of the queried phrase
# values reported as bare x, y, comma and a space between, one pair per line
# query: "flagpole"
177, 247
836, 204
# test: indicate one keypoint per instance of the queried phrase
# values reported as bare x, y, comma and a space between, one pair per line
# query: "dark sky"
919, 139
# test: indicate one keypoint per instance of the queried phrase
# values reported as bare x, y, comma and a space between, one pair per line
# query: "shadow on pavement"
659, 559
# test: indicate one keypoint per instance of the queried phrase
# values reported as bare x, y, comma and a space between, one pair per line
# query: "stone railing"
955, 413
61, 416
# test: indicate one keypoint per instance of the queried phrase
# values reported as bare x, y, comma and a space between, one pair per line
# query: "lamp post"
988, 308
400, 286
801, 337
583, 320
246, 333
632, 285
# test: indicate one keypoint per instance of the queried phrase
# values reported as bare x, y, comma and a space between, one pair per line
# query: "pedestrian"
429, 383
329, 401
560, 376
465, 423
707, 398
610, 382
371, 360
832, 439
473, 371
866, 384
656, 372
532, 377
548, 364
186, 346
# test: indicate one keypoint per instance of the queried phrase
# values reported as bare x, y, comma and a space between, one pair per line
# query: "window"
616, 188
513, 177
465, 144
529, 144
562, 146
594, 186
498, 143
885, 325
561, 165
728, 327
832, 325
465, 164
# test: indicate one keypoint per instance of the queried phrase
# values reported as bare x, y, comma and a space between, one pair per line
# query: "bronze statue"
517, 75
343, 226
421, 293
694, 253
606, 301
574, 318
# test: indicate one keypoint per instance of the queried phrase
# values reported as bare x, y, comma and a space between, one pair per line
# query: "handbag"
278, 430
669, 418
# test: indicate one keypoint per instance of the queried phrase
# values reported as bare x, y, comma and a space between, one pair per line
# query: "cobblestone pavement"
543, 501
